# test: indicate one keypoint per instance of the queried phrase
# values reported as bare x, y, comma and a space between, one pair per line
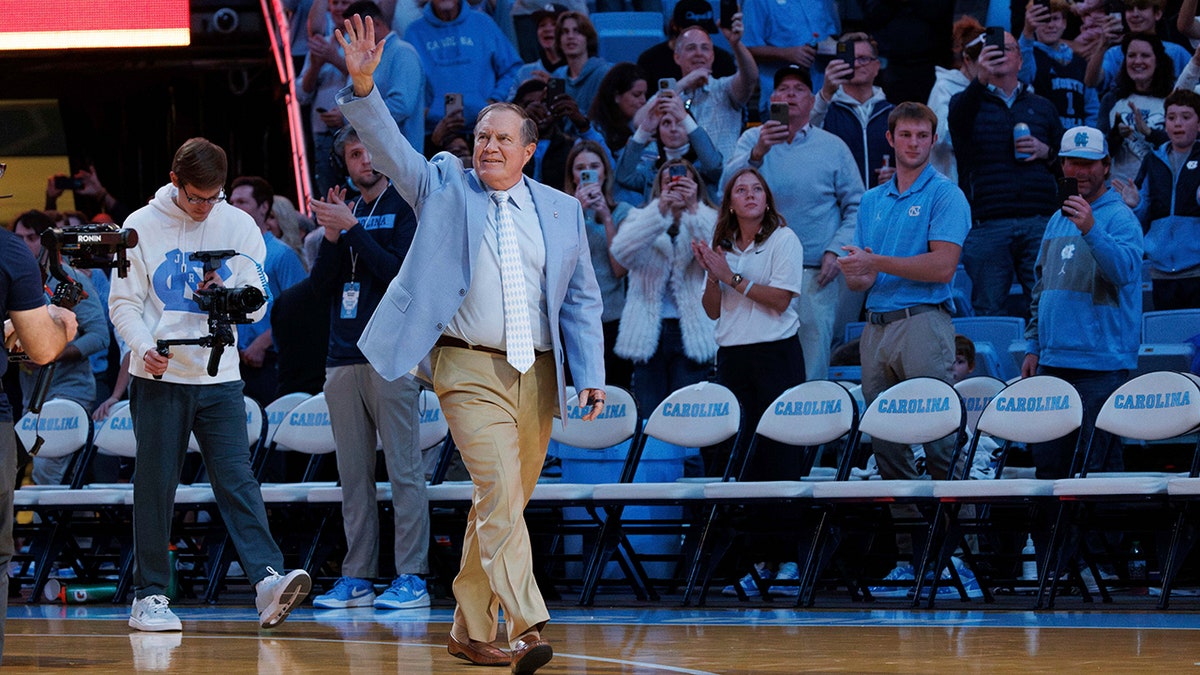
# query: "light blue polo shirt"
902, 224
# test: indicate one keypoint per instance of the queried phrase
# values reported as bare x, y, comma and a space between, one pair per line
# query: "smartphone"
555, 87
589, 176
1042, 3
728, 9
454, 104
845, 52
666, 84
1067, 187
67, 183
994, 37
780, 113
676, 171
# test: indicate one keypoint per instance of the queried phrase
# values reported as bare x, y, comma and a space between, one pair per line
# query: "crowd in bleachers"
791, 97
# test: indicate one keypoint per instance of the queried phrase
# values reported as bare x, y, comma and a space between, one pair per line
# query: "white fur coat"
643, 246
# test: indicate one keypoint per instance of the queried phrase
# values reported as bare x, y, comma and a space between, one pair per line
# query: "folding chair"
276, 411
1150, 407
807, 416
917, 410
567, 510
1032, 410
700, 415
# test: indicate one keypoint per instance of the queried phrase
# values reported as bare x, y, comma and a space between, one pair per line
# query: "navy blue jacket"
997, 184
868, 145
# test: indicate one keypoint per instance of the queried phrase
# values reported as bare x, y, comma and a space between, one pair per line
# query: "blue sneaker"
969, 582
747, 584
902, 572
406, 592
347, 592
788, 571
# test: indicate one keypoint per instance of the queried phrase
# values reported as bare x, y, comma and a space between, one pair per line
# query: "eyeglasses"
196, 201
864, 60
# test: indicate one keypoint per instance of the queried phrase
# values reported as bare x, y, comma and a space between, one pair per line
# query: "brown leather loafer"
530, 653
479, 653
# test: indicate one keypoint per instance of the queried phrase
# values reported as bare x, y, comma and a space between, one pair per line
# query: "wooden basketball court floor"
631, 639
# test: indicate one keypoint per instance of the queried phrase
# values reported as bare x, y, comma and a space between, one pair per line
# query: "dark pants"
667, 370
618, 371
164, 413
757, 374
1053, 459
8, 481
994, 251
1176, 293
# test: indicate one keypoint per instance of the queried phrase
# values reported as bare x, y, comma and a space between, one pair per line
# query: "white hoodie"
154, 301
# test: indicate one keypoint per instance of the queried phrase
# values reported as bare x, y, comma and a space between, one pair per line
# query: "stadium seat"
625, 35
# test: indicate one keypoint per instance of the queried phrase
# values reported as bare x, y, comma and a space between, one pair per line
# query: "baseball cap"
694, 13
548, 9
793, 70
1083, 143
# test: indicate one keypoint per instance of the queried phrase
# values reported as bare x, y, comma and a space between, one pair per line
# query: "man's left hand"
1079, 211
1036, 149
593, 400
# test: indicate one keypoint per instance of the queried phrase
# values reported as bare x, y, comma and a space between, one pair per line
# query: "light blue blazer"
452, 206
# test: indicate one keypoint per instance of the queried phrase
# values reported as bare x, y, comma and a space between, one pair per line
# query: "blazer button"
440, 326
462, 291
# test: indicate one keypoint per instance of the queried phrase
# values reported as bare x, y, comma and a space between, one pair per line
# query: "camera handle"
219, 337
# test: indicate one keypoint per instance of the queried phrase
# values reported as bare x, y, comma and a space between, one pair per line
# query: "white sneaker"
153, 613
279, 595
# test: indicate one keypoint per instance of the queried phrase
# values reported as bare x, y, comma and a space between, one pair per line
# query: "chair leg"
699, 559
1182, 540
931, 550
815, 560
1053, 563
602, 551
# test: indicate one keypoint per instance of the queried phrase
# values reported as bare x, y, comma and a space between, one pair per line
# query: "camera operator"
73, 378
43, 331
157, 301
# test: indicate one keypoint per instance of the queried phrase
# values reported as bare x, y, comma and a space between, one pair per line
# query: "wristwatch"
735, 280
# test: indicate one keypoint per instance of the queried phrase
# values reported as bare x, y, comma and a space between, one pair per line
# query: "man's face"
32, 239
243, 198
545, 32
446, 9
912, 141
866, 64
337, 10
1142, 19
1012, 56
1183, 125
799, 98
1051, 31
197, 212
571, 41
1091, 174
694, 51
358, 165
500, 154
961, 369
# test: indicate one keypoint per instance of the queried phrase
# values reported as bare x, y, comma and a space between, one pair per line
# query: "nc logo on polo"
914, 210
177, 277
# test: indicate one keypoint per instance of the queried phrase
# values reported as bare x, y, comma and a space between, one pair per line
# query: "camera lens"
245, 299
225, 20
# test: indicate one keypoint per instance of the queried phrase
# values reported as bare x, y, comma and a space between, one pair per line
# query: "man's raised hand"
362, 52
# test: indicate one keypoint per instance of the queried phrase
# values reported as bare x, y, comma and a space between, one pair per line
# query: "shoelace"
157, 604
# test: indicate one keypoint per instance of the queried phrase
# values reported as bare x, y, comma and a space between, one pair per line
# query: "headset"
337, 153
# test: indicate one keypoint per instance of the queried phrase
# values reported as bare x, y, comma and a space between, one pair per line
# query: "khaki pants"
500, 420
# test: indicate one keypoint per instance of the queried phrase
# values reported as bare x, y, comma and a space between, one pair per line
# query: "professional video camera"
225, 306
86, 246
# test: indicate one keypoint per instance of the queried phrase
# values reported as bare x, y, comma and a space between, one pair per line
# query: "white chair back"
307, 428
114, 434
1152, 407
63, 425
917, 410
433, 427
808, 414
976, 393
278, 409
615, 424
696, 416
1033, 410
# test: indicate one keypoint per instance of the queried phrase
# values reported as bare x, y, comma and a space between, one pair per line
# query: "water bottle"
1028, 560
1137, 563
1021, 130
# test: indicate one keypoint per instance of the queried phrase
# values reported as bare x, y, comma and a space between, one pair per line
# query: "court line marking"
640, 665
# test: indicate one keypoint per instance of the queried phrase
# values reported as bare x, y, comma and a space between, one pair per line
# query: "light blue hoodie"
466, 55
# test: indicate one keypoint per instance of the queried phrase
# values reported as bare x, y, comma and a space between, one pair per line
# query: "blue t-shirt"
902, 224
20, 290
